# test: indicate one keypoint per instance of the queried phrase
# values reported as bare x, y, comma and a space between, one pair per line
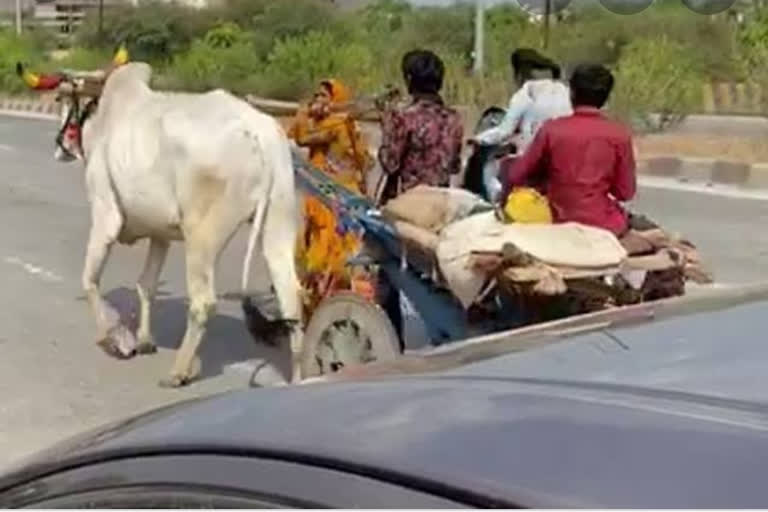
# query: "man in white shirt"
541, 96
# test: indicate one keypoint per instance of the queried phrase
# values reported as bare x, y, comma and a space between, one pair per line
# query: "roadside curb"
707, 171
30, 105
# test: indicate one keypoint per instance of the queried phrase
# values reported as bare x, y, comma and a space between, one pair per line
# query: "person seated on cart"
421, 142
421, 145
327, 128
583, 163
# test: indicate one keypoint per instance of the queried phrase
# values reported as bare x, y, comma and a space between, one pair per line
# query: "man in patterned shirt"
421, 143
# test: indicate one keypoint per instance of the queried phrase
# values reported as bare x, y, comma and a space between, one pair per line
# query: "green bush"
296, 64
595, 34
296, 18
270, 21
753, 42
753, 45
15, 49
434, 27
246, 13
282, 48
222, 58
507, 29
384, 17
598, 39
155, 34
656, 76
84, 59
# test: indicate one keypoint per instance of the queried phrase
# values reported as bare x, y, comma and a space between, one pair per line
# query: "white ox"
173, 167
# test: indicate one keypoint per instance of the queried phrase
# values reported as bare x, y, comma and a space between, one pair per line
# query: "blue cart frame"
444, 318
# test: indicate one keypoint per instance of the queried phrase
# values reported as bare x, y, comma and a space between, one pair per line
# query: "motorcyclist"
584, 161
540, 96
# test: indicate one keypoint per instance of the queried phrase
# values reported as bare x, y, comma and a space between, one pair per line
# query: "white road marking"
34, 270
28, 115
6, 147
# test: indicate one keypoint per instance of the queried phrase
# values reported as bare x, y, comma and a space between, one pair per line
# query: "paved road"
54, 382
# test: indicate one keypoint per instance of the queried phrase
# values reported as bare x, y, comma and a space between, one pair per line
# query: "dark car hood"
516, 441
666, 414
716, 353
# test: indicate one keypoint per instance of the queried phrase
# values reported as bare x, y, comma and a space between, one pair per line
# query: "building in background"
65, 15
8, 7
191, 3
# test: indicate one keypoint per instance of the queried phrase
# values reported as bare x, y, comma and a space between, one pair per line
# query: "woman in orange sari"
336, 147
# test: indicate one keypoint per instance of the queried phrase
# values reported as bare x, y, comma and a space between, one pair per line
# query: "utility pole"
547, 13
101, 20
18, 17
479, 36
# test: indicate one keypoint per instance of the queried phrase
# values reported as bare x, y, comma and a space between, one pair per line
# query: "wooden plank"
533, 273
653, 262
289, 108
492, 345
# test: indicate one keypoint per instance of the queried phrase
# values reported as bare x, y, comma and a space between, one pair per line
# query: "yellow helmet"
527, 206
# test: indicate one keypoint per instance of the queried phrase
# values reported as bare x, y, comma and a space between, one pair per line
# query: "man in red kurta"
584, 160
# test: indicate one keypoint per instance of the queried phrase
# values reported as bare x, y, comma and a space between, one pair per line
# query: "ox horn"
38, 82
121, 56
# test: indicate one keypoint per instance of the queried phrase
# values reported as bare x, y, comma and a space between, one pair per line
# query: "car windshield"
206, 195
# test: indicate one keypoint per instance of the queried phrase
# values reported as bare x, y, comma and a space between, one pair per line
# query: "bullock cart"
347, 329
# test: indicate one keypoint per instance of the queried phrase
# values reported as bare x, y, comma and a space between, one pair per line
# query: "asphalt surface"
54, 382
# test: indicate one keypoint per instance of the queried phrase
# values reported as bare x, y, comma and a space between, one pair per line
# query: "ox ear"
36, 81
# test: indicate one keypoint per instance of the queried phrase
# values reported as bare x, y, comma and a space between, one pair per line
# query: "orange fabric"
323, 255
335, 143
335, 146
339, 92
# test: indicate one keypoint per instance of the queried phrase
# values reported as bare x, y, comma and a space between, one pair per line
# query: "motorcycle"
481, 175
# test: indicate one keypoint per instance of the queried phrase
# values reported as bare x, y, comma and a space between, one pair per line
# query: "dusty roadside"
743, 148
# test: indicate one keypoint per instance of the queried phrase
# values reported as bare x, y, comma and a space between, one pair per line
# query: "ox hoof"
180, 380
175, 382
119, 342
146, 348
112, 349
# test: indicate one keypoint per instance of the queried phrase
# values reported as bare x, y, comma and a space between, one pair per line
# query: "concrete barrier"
705, 170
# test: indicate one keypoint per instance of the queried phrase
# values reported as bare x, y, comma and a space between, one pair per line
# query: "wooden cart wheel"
347, 330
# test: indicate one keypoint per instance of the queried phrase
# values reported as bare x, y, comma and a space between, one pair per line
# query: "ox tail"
272, 221
257, 222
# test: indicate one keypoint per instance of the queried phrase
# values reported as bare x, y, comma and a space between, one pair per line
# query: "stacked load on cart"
466, 248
